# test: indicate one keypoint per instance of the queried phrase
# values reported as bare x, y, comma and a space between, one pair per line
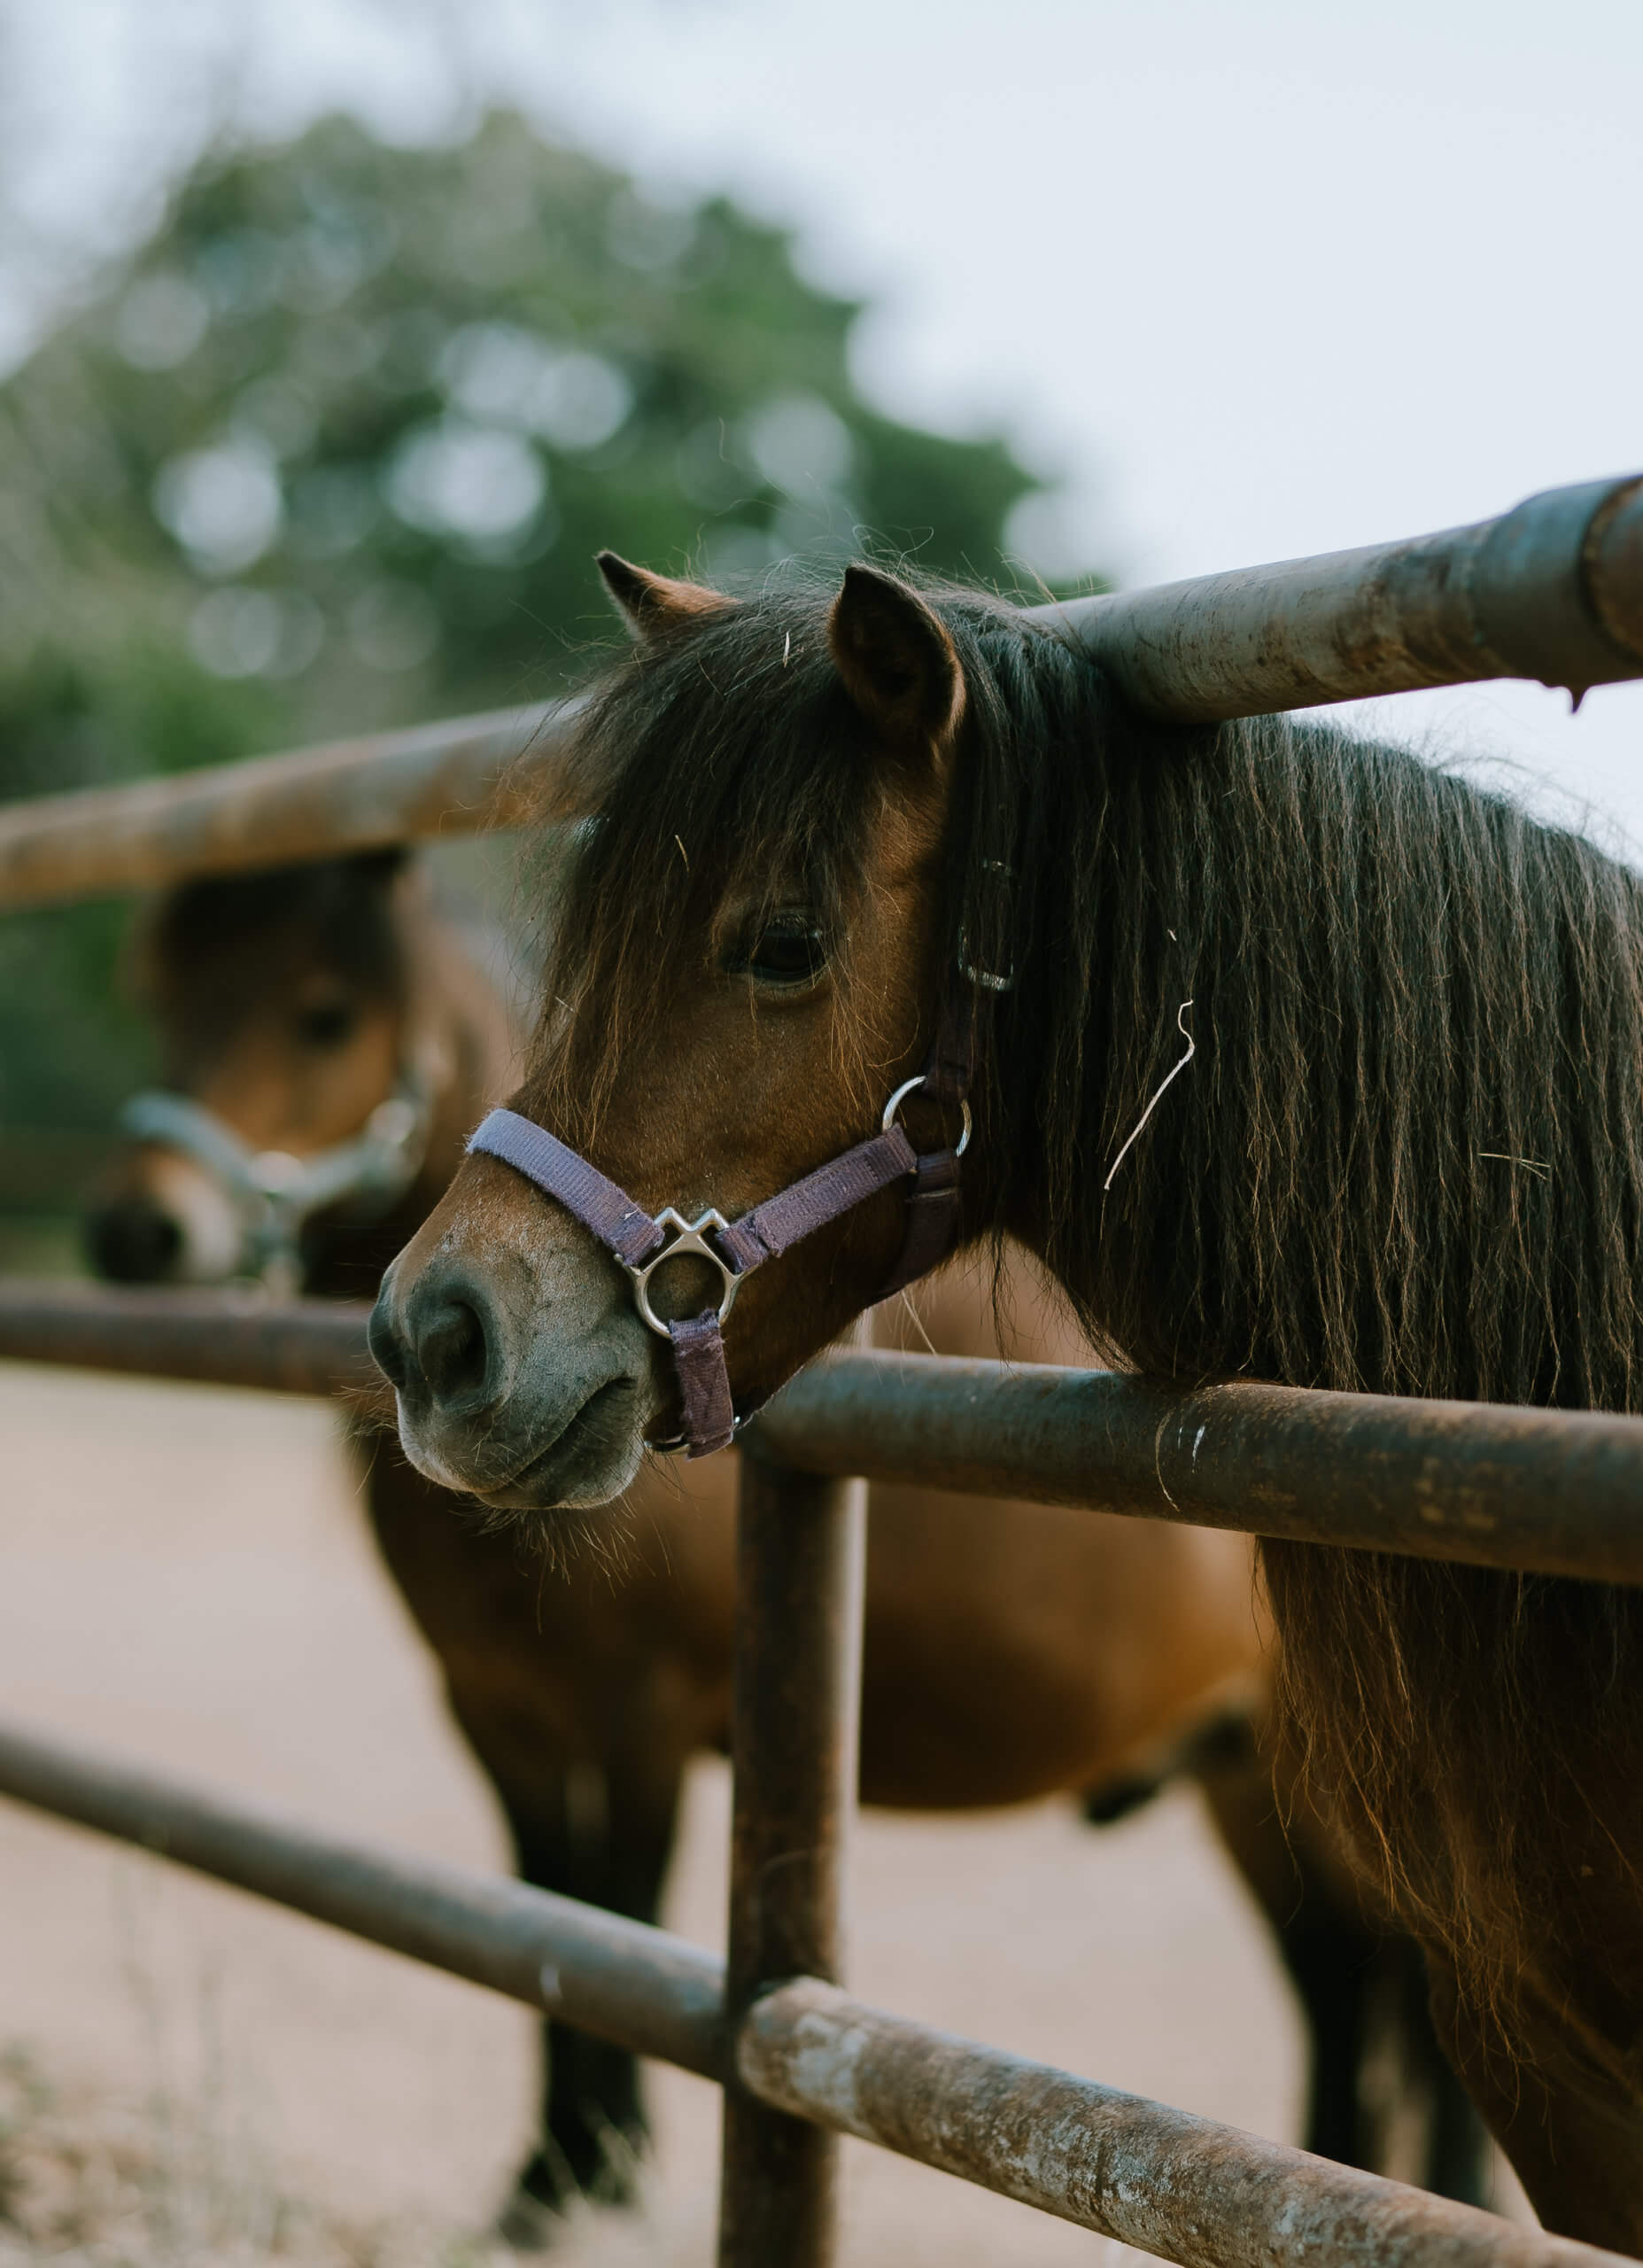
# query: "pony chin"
552, 1443
590, 1458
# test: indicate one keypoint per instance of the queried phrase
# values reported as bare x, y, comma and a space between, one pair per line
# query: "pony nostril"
132, 1244
387, 1345
453, 1354
441, 1347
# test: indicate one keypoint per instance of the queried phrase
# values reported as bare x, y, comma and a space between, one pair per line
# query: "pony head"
747, 884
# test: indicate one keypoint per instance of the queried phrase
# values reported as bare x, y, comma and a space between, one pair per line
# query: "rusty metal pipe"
1185, 2188
451, 778
1552, 589
801, 1557
635, 1985
214, 1338
1553, 1492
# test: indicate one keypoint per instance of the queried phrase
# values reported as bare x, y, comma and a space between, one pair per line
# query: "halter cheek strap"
640, 1243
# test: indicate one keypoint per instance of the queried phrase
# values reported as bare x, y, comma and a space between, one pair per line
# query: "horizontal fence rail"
447, 779
1550, 1492
234, 1338
1185, 2188
1189, 2189
648, 1991
1552, 589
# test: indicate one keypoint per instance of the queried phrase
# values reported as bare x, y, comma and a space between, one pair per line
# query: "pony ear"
898, 659
651, 603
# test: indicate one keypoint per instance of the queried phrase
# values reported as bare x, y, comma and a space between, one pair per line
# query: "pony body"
1405, 1156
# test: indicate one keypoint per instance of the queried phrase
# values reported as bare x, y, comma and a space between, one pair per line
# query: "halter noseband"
640, 1243
274, 1192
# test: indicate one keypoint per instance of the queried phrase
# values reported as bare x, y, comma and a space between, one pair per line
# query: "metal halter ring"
689, 1239
911, 1087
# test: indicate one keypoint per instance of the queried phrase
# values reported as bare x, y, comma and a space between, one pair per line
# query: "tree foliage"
334, 448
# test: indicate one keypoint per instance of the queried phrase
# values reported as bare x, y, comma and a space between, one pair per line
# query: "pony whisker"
916, 1320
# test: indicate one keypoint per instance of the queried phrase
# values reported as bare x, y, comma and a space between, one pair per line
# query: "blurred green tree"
334, 448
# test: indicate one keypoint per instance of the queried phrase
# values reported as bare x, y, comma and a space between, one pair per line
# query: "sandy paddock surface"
186, 2073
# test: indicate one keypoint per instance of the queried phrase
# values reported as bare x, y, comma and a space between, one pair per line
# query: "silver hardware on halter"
987, 980
678, 1444
830, 1192
690, 1239
274, 1174
398, 1121
912, 1086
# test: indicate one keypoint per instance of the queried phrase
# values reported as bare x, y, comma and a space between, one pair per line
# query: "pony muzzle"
642, 1243
496, 1401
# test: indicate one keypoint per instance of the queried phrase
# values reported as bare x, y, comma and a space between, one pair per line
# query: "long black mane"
1406, 1154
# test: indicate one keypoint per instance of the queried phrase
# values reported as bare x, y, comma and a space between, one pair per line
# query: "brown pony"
1300, 1059
327, 1042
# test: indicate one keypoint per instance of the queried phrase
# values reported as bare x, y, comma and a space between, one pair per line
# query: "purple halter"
640, 1244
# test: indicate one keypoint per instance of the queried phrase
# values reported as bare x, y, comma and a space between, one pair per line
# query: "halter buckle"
689, 1241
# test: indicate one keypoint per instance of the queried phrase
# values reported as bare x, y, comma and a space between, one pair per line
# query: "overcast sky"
1259, 279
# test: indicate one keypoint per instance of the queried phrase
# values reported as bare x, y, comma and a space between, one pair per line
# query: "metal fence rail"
804, 2057
1553, 589
1552, 1492
637, 1986
445, 779
229, 1338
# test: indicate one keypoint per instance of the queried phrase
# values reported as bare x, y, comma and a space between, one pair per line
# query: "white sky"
1260, 278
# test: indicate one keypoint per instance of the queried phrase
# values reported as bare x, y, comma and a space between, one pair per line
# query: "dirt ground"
187, 2074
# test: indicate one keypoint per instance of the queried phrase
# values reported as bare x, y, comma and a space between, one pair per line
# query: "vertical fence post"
801, 1555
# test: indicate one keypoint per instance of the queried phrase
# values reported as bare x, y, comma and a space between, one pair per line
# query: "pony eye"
325, 1023
790, 953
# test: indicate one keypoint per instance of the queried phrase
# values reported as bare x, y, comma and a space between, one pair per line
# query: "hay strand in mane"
1158, 1093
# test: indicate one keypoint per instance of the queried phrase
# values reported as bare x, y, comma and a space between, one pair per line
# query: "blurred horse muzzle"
157, 1218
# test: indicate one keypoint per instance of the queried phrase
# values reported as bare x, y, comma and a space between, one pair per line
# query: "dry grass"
90, 2180
93, 2180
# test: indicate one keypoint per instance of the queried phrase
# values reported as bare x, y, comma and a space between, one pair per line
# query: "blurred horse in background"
327, 1042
